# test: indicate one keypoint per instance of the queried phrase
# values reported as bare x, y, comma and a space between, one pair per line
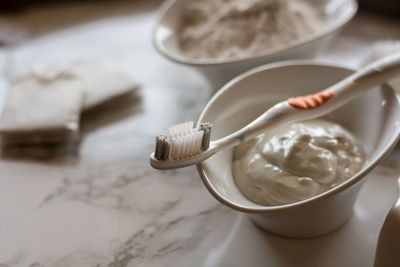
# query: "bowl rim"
278, 51
310, 201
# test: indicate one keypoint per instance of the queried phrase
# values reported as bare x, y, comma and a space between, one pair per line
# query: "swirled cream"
296, 161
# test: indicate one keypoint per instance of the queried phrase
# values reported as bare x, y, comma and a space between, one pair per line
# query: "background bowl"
374, 119
219, 71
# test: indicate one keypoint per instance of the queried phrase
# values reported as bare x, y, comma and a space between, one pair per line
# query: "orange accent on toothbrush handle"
310, 101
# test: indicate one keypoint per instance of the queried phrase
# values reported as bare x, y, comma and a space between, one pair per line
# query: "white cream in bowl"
296, 161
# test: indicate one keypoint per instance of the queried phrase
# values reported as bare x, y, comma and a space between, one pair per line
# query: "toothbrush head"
181, 142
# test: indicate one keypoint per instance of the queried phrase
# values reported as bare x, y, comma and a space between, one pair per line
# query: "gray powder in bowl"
236, 28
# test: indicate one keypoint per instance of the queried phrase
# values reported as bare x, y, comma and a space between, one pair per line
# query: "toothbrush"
182, 145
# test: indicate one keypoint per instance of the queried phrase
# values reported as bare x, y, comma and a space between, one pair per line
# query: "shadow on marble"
300, 251
54, 153
268, 249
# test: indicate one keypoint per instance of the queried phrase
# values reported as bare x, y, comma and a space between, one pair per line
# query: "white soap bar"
103, 81
42, 106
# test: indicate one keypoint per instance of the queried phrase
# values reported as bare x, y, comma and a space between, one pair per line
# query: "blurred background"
387, 6
391, 7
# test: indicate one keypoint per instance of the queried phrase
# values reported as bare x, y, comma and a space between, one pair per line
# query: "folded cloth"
381, 49
43, 106
103, 80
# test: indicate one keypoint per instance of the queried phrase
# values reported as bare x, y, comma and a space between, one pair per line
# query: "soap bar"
43, 106
104, 81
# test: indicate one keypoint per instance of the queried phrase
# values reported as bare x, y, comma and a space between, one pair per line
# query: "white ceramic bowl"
218, 72
374, 119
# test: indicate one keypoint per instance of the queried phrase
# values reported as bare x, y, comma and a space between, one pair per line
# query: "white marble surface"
98, 203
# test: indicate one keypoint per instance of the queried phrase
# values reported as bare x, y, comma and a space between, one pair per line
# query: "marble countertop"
99, 203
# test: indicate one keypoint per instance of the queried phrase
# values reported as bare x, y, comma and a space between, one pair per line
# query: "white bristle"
180, 129
186, 145
182, 145
185, 140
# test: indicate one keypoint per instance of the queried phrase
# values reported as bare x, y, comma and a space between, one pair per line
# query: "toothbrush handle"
373, 74
316, 105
